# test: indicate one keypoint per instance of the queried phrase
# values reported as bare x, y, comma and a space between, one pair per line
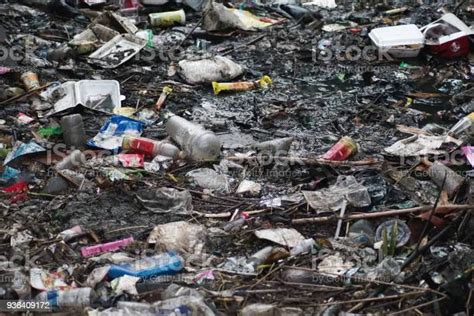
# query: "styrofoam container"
117, 51
85, 92
399, 41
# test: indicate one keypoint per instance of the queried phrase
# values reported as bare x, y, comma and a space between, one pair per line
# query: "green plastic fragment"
50, 131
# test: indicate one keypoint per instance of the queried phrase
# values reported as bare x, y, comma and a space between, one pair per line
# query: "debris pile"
239, 158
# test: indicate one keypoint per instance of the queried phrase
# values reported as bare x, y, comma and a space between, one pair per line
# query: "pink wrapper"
469, 153
110, 246
4, 70
131, 160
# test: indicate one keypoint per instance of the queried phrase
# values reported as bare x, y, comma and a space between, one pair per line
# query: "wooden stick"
419, 209
28, 93
310, 161
228, 214
244, 45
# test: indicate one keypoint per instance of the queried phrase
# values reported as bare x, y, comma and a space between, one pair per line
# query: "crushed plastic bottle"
163, 264
196, 142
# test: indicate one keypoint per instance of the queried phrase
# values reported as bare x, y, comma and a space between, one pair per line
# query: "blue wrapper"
111, 135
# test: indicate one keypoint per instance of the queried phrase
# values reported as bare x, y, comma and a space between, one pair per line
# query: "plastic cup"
167, 18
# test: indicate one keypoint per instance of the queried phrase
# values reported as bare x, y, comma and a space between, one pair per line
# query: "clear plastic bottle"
196, 142
79, 298
303, 247
259, 258
362, 232
466, 124
74, 133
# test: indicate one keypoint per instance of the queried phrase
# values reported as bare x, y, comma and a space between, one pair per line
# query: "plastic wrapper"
22, 149
111, 135
288, 237
217, 68
178, 236
419, 145
217, 17
166, 200
345, 190
209, 179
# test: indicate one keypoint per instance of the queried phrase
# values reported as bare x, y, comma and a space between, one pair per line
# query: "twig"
229, 214
28, 93
404, 311
427, 224
419, 209
244, 45
311, 161
459, 5
190, 32
42, 194
370, 299
126, 228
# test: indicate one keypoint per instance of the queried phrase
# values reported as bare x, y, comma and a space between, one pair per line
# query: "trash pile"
193, 157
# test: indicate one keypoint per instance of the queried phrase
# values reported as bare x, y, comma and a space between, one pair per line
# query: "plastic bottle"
259, 257
235, 225
74, 159
74, 133
437, 172
302, 247
362, 232
466, 124
197, 142
80, 298
162, 264
276, 146
149, 147
342, 150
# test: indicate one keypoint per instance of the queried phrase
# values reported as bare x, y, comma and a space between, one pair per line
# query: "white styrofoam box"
399, 41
